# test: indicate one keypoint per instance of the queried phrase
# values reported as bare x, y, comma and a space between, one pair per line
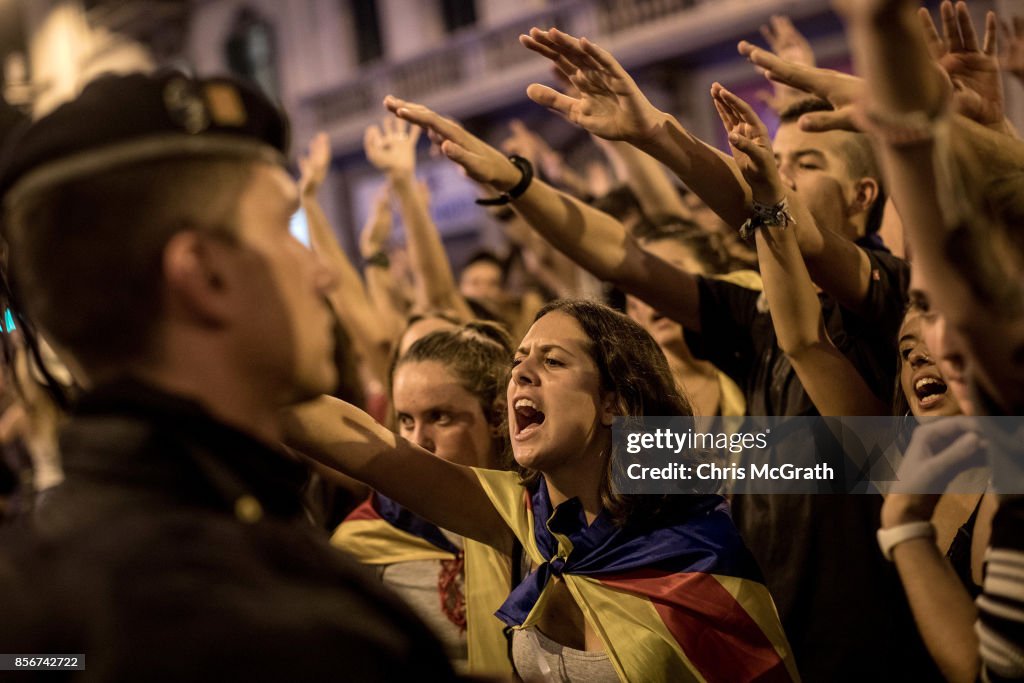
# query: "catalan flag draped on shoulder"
677, 602
382, 532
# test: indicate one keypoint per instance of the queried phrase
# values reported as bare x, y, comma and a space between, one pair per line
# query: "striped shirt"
1000, 625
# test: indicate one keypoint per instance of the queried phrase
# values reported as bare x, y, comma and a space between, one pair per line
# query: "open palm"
751, 145
609, 103
973, 69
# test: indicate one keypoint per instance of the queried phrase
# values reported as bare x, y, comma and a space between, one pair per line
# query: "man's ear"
867, 193
611, 407
194, 270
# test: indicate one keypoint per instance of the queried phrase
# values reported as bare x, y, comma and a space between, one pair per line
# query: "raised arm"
906, 92
349, 299
838, 266
393, 151
831, 380
942, 608
611, 106
373, 245
594, 240
657, 195
346, 439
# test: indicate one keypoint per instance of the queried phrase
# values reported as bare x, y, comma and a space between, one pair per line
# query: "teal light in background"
9, 325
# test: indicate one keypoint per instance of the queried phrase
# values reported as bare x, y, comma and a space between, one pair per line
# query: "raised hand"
391, 147
973, 70
751, 146
609, 104
843, 91
480, 161
1011, 48
314, 165
788, 43
937, 453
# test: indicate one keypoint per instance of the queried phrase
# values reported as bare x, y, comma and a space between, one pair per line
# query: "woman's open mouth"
930, 391
528, 418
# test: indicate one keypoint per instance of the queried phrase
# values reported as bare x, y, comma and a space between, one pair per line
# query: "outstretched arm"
831, 380
393, 151
593, 239
349, 299
838, 266
657, 195
610, 105
941, 213
346, 439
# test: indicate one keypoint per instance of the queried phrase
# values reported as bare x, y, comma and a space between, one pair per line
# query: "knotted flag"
677, 601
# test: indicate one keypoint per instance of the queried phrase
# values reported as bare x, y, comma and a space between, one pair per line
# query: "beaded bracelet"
767, 216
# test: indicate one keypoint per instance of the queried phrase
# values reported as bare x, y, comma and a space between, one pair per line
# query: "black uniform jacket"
177, 550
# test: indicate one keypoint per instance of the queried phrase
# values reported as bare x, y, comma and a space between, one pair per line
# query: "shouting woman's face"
557, 412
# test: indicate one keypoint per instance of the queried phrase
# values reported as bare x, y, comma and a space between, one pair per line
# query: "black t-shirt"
841, 603
738, 337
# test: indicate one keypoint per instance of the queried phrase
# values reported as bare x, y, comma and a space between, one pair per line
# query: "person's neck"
580, 479
856, 229
682, 362
228, 400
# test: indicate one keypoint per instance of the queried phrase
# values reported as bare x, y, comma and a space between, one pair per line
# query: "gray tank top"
538, 659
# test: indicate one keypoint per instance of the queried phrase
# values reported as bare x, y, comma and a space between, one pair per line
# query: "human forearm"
378, 289
943, 610
891, 53
379, 283
830, 378
347, 439
938, 452
709, 173
326, 245
593, 239
600, 244
646, 177
436, 287
795, 307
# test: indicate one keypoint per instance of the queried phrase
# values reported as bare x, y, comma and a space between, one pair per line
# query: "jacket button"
248, 509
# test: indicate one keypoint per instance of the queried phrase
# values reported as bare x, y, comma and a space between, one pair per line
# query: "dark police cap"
124, 119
